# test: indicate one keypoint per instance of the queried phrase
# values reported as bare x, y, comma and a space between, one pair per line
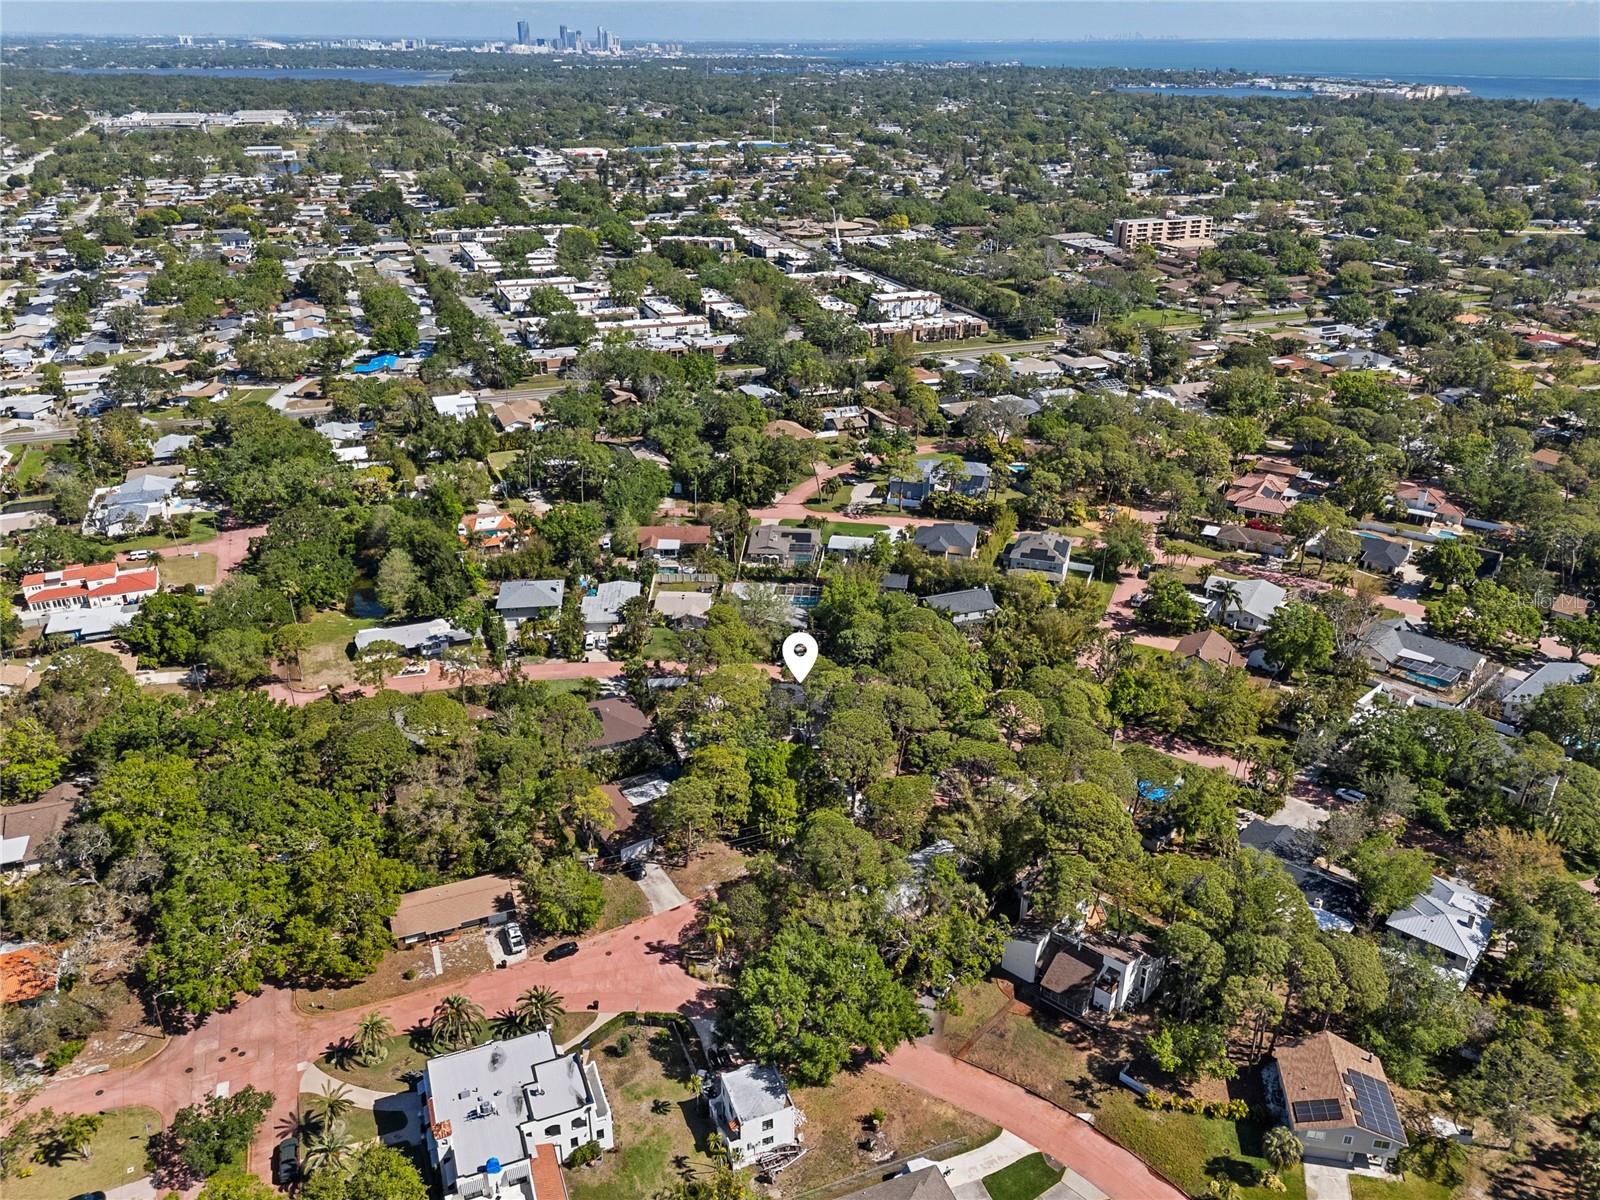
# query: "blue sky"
840, 20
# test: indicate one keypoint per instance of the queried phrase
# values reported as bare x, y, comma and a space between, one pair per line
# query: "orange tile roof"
25, 973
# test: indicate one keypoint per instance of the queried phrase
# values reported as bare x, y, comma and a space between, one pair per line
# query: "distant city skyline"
832, 21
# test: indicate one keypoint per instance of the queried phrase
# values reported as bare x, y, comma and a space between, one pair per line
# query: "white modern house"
752, 1110
500, 1118
1246, 604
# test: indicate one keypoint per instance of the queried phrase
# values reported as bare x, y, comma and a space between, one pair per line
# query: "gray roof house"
1383, 557
970, 479
782, 545
1400, 648
420, 637
752, 1110
966, 607
1251, 606
949, 540
526, 599
1450, 918
1551, 674
1047, 554
604, 609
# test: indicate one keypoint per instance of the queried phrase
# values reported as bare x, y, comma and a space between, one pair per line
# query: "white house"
500, 1118
458, 406
1250, 606
752, 1110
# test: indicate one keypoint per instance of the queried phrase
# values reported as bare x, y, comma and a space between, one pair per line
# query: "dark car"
634, 868
564, 950
286, 1162
90, 1196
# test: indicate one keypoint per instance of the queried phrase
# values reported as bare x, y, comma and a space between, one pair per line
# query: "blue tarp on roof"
384, 362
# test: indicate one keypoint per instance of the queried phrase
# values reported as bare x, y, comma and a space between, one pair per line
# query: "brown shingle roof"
1314, 1068
449, 906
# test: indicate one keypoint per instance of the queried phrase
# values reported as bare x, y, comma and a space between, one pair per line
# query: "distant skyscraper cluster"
570, 41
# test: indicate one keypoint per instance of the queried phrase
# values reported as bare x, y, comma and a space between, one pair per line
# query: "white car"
1350, 795
515, 942
413, 671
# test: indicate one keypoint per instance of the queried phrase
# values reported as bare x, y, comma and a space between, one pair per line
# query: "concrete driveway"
965, 1172
659, 890
1324, 1182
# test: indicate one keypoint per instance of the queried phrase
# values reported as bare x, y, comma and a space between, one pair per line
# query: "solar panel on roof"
1374, 1104
1316, 1110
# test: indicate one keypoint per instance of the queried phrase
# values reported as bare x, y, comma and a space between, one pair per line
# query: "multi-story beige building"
1137, 231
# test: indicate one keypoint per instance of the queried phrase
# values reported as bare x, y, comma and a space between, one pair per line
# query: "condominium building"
1138, 231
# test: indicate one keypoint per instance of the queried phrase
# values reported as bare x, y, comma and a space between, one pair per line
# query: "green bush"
1442, 1160
63, 1055
585, 1153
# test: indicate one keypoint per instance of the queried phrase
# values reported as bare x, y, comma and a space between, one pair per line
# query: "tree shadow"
1234, 1170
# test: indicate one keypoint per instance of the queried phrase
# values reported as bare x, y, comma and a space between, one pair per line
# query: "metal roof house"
1514, 704
1450, 918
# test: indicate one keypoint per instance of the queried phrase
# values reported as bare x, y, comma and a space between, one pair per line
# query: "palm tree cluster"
536, 1009
322, 1129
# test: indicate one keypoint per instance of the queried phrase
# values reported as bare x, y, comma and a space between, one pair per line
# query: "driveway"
659, 890
1325, 1182
1095, 1158
965, 1172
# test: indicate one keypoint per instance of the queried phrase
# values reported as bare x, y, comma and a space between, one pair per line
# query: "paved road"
230, 547
266, 1041
1118, 1173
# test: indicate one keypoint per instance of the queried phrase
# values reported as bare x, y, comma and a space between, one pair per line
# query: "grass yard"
624, 903
1036, 1055
465, 955
1412, 1187
202, 529
979, 1003
402, 1058
664, 645
1164, 318
918, 1124
716, 864
1025, 1179
1191, 1150
653, 1148
570, 1025
499, 460
30, 466
186, 569
116, 1157
251, 395
361, 1125
329, 636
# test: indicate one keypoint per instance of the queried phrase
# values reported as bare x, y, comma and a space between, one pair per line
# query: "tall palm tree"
372, 1038
509, 1023
540, 1006
333, 1104
1228, 597
456, 1021
718, 931
326, 1148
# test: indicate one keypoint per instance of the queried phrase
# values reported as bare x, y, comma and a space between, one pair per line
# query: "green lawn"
202, 529
1165, 318
361, 1124
652, 1146
1191, 1150
116, 1157
624, 903
185, 569
1025, 1179
664, 646
403, 1057
1412, 1187
250, 395
30, 465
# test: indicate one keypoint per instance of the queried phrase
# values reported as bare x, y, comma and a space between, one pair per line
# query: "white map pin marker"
800, 654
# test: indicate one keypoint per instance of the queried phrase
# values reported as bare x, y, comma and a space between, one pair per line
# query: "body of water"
1524, 69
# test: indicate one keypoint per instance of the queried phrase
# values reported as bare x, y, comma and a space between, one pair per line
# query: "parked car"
412, 671
634, 868
564, 950
90, 1196
1350, 795
138, 556
515, 942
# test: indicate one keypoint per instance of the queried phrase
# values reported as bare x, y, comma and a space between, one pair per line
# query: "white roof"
1449, 915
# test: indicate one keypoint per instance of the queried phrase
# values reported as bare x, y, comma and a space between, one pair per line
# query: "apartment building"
1139, 231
